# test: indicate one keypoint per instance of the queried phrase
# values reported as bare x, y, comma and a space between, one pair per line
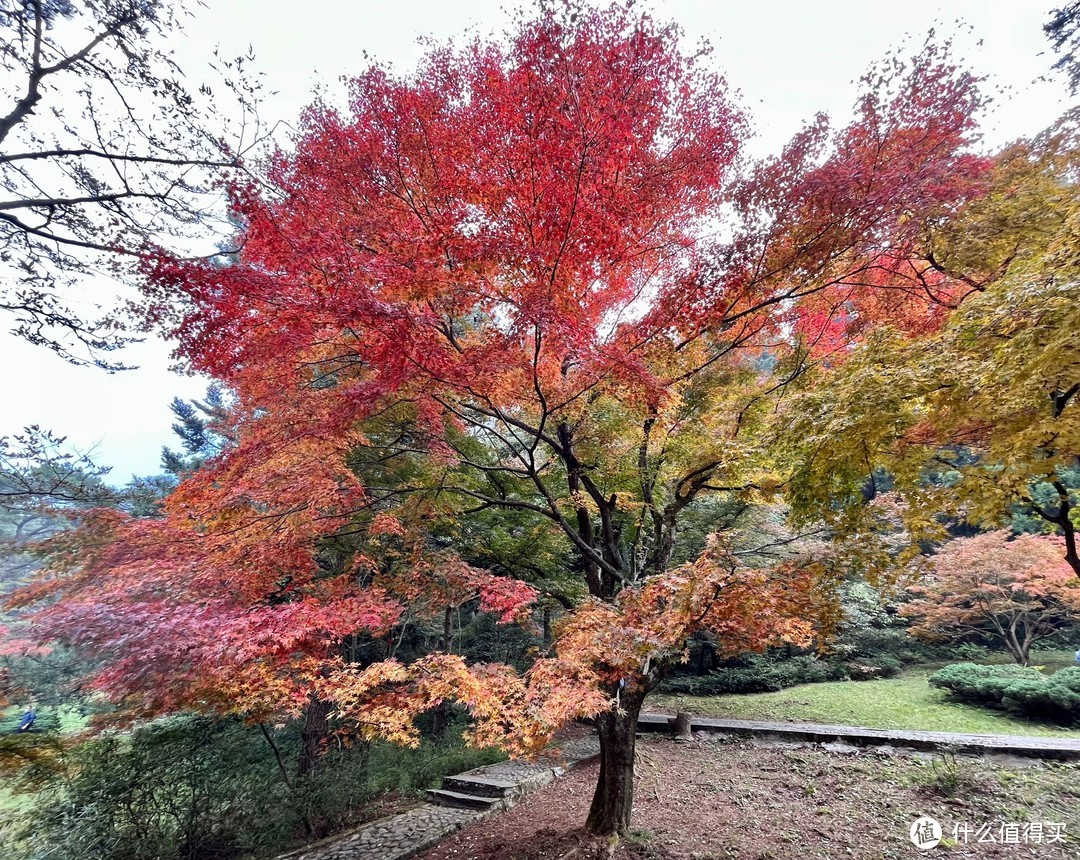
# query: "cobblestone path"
416, 829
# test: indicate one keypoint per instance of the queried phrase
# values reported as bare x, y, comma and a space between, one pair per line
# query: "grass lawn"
10, 803
904, 702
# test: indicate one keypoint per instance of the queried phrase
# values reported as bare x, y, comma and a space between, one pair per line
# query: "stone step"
480, 786
464, 801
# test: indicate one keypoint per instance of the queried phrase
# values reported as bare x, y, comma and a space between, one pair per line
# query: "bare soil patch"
713, 799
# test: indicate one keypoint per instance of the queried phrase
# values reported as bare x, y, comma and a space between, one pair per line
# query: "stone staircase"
475, 792
501, 785
463, 798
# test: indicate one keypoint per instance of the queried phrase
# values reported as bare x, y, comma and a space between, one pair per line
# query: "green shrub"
869, 669
764, 673
970, 651
1068, 677
760, 674
1056, 697
196, 788
1023, 690
984, 685
890, 667
186, 787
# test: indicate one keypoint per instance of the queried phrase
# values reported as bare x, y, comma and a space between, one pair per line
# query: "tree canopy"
535, 277
976, 420
1015, 589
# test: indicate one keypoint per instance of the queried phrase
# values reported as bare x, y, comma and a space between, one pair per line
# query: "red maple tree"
545, 258
1017, 589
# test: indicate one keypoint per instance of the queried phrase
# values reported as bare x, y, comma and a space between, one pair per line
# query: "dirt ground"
713, 799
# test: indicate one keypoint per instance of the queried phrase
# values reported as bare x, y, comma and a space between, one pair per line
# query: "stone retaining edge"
1059, 749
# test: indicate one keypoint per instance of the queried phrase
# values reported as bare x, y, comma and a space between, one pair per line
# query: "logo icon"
925, 833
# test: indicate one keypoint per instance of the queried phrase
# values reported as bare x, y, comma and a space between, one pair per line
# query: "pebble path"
418, 828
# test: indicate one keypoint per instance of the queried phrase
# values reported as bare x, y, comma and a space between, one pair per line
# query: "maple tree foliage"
986, 401
533, 276
1016, 589
598, 646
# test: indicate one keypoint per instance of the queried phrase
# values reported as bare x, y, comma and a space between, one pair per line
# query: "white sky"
789, 59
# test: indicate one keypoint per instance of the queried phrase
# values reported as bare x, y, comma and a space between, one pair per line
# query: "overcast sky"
788, 59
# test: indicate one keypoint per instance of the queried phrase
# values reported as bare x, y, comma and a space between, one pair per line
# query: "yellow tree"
978, 419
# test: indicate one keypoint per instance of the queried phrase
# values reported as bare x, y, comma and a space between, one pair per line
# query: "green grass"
10, 801
904, 702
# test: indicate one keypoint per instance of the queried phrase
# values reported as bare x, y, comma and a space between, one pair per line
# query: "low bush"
767, 673
970, 652
1055, 698
983, 685
878, 667
197, 788
759, 674
183, 787
1022, 690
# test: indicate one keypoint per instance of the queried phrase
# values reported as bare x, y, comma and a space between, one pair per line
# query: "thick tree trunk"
614, 798
440, 720
313, 735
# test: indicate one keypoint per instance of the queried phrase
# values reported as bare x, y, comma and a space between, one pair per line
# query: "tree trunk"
314, 734
614, 798
448, 629
1071, 554
1017, 652
1020, 650
440, 720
